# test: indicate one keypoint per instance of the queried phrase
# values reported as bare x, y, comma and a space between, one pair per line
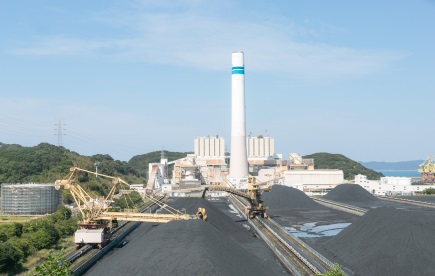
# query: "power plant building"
209, 147
29, 199
260, 147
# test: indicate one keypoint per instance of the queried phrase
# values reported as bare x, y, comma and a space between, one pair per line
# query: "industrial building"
390, 185
299, 173
260, 147
209, 147
313, 181
196, 170
29, 199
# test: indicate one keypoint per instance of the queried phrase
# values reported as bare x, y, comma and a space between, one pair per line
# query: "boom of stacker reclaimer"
97, 221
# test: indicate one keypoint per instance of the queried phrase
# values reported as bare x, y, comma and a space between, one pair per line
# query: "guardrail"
281, 257
341, 206
292, 249
301, 243
304, 245
411, 201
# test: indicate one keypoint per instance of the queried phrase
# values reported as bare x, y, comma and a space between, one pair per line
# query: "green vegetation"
429, 191
7, 219
46, 163
335, 271
55, 264
140, 162
18, 241
350, 168
132, 200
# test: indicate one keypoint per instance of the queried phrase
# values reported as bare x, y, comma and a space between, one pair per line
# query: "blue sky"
130, 77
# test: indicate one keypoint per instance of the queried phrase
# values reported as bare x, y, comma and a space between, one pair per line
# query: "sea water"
401, 173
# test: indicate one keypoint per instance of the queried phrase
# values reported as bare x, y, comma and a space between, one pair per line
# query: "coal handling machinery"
427, 170
253, 195
97, 219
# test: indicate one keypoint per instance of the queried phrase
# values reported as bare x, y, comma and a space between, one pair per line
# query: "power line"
59, 132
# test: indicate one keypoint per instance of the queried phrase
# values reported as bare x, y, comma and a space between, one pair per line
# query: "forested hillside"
350, 168
46, 163
140, 162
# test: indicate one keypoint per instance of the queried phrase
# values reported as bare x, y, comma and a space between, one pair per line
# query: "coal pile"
350, 193
427, 198
387, 241
215, 217
191, 247
283, 198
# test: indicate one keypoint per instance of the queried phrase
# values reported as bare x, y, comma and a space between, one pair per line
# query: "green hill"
140, 162
350, 168
46, 163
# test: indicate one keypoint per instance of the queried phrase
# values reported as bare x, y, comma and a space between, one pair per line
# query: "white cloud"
190, 35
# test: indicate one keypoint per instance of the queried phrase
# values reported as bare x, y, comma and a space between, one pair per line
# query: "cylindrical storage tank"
29, 199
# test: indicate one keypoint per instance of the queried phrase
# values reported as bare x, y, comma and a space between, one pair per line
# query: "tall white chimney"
239, 158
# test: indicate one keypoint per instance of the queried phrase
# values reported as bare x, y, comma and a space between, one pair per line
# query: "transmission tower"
59, 128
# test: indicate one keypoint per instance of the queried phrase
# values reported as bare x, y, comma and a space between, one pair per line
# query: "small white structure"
392, 180
390, 185
156, 174
269, 174
313, 177
296, 162
89, 236
166, 187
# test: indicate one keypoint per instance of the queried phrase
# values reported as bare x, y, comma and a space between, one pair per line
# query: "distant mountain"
350, 168
384, 166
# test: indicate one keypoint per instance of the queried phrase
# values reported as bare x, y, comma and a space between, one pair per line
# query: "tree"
429, 191
335, 271
40, 239
55, 264
132, 200
9, 257
350, 168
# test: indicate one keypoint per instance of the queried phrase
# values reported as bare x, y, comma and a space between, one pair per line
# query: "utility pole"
59, 134
96, 164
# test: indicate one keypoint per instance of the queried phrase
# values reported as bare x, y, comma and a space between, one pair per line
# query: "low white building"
313, 181
390, 185
269, 174
390, 180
